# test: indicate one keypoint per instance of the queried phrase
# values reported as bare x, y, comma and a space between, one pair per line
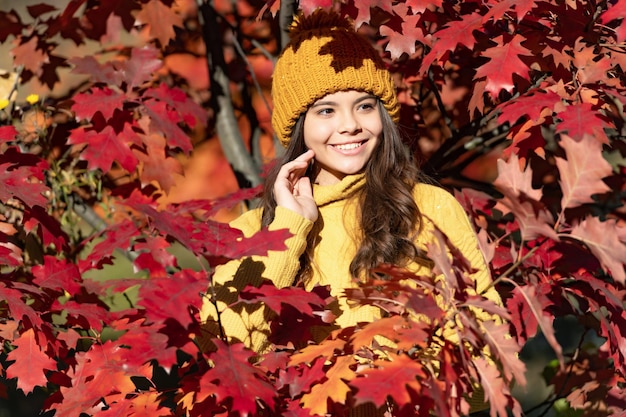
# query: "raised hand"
292, 189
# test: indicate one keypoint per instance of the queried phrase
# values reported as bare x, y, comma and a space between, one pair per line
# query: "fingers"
292, 171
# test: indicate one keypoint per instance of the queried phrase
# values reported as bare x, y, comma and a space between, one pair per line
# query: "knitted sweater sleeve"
250, 325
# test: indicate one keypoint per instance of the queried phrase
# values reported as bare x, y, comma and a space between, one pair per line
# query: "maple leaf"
30, 362
363, 9
399, 371
603, 241
580, 120
104, 100
334, 386
161, 20
234, 377
57, 274
583, 171
325, 349
504, 62
103, 148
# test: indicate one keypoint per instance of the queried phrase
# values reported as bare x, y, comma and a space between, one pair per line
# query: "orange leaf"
334, 387
161, 20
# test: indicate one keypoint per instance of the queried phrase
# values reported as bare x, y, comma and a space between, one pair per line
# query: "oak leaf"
57, 274
602, 239
334, 387
581, 119
454, 33
161, 20
104, 100
582, 173
399, 371
103, 148
234, 377
404, 41
30, 362
504, 62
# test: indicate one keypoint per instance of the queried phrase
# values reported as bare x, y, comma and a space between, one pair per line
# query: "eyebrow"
333, 103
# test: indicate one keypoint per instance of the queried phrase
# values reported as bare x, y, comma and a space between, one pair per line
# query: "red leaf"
176, 98
81, 313
496, 391
21, 177
234, 377
140, 67
39, 9
100, 73
103, 148
161, 19
171, 297
275, 298
30, 362
103, 100
18, 307
513, 180
404, 41
506, 350
156, 165
580, 120
400, 371
504, 62
529, 308
505, 7
603, 240
165, 121
8, 133
583, 171
332, 387
57, 274
30, 55
146, 343
455, 32
117, 236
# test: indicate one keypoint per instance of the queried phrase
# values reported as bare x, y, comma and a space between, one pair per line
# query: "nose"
349, 123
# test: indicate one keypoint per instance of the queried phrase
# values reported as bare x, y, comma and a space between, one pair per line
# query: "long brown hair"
389, 217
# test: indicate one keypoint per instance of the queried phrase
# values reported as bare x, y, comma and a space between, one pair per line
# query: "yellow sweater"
332, 256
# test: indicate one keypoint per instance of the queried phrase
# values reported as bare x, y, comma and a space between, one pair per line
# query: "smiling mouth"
348, 146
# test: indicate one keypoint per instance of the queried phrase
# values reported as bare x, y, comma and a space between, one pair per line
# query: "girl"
347, 188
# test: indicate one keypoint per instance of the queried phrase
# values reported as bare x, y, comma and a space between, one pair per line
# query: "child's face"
343, 130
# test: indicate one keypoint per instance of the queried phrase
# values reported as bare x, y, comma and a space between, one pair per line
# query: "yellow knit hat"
325, 55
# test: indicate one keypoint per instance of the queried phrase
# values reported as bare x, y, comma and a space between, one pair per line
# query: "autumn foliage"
88, 174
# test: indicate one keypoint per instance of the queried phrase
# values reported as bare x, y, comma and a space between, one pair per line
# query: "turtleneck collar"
326, 194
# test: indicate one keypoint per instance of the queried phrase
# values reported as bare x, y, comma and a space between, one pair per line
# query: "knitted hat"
325, 55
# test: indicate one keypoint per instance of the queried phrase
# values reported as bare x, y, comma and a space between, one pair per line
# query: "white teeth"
348, 146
